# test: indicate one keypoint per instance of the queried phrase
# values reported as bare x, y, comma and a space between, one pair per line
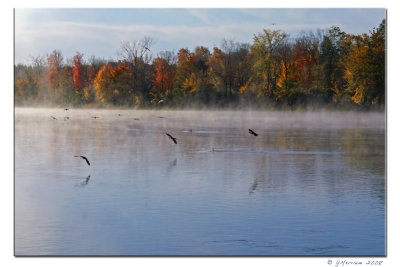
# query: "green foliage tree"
332, 65
266, 64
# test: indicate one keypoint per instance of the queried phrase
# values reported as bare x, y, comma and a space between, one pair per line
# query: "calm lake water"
310, 183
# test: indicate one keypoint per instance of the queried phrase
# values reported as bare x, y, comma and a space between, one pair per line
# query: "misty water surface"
310, 183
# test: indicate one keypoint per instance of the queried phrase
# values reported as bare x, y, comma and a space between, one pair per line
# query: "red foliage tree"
78, 73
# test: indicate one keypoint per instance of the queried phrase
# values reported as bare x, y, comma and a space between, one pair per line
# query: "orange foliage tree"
163, 76
54, 62
113, 85
365, 67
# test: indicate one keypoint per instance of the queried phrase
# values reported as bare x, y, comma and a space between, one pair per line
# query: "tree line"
320, 69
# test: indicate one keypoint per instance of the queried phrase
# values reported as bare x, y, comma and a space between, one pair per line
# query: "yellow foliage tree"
103, 84
191, 84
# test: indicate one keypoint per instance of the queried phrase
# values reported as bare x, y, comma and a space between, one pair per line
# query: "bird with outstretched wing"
172, 138
252, 132
85, 158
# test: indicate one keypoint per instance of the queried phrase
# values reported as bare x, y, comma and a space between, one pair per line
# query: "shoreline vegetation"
326, 70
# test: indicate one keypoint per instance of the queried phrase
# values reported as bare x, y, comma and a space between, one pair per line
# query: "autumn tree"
30, 81
54, 65
221, 63
103, 84
192, 79
231, 67
378, 68
185, 67
163, 77
266, 62
286, 82
66, 87
305, 57
91, 69
365, 67
94, 65
199, 82
112, 85
217, 68
242, 67
26, 83
78, 73
60, 79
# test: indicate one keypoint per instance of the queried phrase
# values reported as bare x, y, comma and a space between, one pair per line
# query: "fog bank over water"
223, 118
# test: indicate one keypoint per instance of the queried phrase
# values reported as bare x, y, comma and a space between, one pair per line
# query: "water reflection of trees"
366, 158
366, 149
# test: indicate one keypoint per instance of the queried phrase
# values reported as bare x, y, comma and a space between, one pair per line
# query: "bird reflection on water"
171, 165
83, 183
253, 187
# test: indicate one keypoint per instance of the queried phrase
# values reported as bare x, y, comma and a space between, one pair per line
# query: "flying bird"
136, 119
172, 138
87, 161
95, 117
252, 132
146, 48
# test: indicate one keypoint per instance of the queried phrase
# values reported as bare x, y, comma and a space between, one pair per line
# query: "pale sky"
99, 32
